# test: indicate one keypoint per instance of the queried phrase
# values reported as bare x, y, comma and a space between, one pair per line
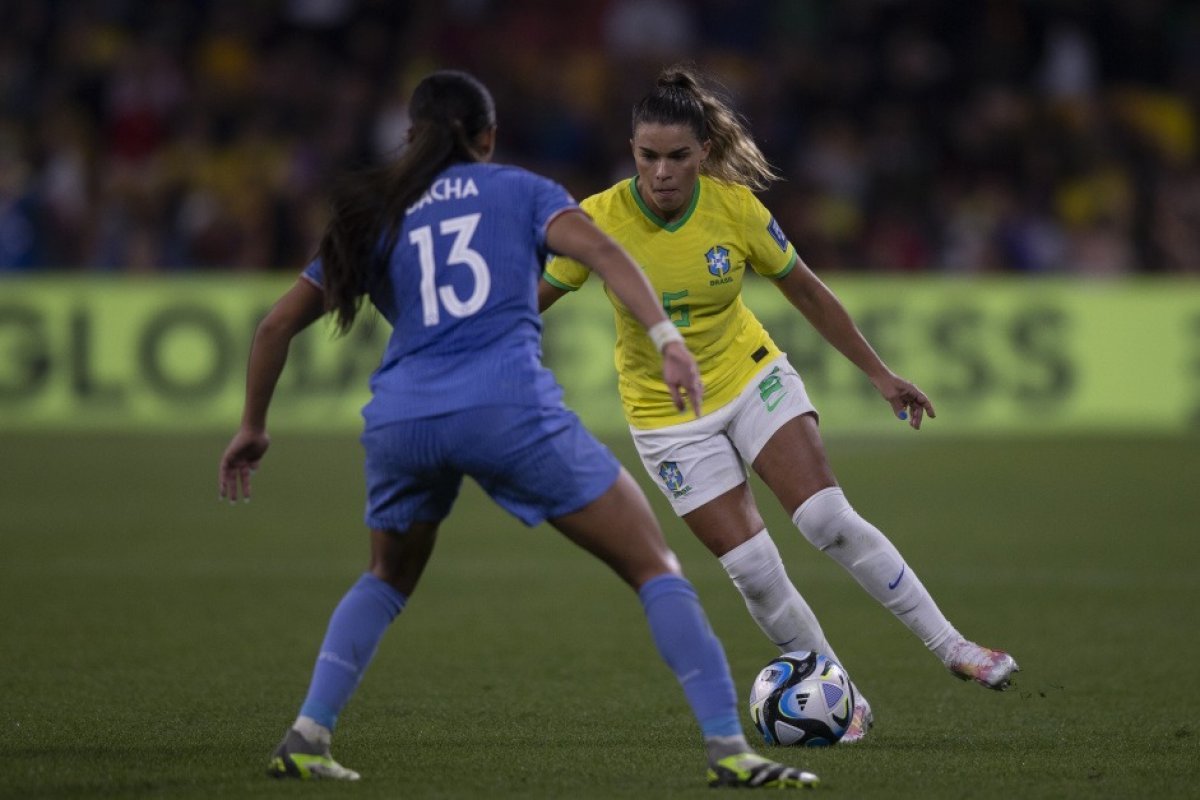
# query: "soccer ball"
802, 699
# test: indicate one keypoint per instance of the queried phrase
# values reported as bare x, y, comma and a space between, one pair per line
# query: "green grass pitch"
156, 643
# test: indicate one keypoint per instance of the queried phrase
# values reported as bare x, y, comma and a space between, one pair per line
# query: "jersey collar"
655, 218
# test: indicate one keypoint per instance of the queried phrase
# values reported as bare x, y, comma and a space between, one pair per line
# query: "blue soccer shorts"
536, 463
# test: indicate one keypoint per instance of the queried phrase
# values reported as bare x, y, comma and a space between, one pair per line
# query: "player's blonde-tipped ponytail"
679, 97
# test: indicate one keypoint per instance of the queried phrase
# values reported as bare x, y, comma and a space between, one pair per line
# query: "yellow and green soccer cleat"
752, 771
298, 758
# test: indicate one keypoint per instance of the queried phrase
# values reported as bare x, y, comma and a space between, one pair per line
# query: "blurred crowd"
1031, 136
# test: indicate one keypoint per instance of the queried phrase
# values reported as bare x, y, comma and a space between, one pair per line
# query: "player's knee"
664, 563
393, 576
823, 519
640, 571
667, 564
755, 566
649, 573
400, 561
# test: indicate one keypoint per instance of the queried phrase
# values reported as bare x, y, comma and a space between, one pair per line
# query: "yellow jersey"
696, 265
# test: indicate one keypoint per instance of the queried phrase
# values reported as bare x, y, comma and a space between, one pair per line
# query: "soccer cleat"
296, 757
860, 721
991, 668
752, 771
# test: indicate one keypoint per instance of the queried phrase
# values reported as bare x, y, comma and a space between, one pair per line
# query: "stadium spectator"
953, 129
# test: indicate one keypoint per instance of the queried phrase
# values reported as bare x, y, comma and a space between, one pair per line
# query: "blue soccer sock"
692, 651
354, 632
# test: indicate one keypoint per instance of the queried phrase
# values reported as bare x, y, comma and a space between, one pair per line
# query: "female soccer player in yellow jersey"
691, 220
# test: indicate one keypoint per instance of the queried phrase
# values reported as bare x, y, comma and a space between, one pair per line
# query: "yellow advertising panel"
157, 354
998, 356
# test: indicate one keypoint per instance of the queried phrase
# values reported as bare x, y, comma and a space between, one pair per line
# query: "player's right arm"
301, 306
575, 236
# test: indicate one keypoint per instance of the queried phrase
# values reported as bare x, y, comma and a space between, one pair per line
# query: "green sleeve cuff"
550, 279
778, 276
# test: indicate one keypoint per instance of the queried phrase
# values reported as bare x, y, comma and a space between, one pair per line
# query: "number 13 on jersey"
462, 229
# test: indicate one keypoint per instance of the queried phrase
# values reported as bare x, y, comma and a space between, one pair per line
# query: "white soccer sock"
719, 747
758, 572
313, 731
828, 521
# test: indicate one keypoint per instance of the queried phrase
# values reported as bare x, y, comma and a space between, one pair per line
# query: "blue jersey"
461, 295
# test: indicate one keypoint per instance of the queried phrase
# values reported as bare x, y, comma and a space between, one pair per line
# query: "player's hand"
238, 463
682, 376
907, 401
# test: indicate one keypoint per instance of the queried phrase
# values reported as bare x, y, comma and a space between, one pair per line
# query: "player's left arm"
821, 307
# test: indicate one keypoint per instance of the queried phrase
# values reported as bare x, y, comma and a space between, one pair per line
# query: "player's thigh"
793, 463
726, 521
774, 427
619, 528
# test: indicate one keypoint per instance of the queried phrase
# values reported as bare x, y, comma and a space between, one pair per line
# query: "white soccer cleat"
860, 721
991, 668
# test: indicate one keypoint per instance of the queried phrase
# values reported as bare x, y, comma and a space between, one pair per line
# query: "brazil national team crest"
718, 265
672, 478
777, 234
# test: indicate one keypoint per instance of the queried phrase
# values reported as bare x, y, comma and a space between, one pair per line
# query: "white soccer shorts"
696, 461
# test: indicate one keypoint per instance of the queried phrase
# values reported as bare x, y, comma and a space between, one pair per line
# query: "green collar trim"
670, 227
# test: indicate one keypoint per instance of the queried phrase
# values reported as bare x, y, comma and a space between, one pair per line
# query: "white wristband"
663, 333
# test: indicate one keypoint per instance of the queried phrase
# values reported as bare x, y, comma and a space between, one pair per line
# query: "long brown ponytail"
448, 109
680, 98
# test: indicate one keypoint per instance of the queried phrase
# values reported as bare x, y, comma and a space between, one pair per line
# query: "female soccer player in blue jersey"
449, 249
690, 219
